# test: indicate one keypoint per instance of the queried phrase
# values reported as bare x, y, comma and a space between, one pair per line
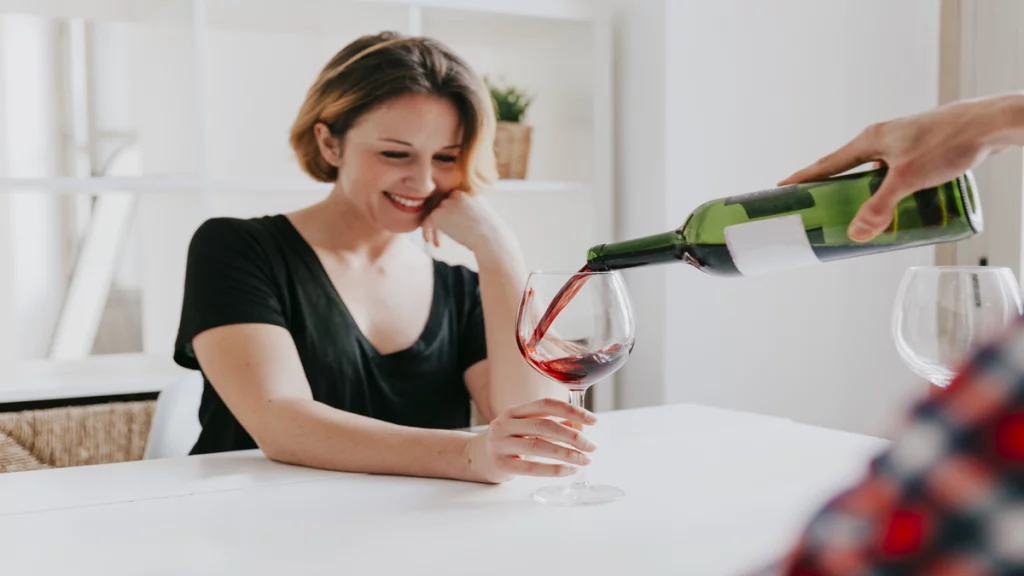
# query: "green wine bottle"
798, 225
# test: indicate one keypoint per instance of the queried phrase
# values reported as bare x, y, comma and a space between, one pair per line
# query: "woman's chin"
400, 225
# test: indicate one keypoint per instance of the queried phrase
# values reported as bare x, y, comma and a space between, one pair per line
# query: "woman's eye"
395, 155
446, 158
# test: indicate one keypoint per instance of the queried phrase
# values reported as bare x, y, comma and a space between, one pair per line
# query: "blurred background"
126, 123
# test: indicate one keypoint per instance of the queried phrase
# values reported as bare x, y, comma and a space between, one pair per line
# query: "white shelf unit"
143, 185
216, 85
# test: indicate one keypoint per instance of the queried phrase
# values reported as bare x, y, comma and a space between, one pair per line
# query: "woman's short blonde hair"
375, 69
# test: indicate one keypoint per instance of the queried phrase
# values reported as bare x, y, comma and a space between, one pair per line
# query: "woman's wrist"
450, 456
472, 460
1004, 125
497, 245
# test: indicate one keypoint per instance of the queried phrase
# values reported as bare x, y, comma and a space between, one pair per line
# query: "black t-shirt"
261, 270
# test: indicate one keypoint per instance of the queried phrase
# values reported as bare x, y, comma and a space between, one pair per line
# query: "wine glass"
576, 328
942, 312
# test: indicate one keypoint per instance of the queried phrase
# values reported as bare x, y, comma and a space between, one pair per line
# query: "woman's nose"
421, 178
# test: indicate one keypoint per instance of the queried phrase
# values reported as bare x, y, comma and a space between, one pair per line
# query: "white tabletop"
708, 492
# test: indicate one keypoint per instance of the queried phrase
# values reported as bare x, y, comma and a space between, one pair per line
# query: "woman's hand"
921, 151
497, 455
465, 218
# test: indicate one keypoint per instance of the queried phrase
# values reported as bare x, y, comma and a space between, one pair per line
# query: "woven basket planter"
512, 149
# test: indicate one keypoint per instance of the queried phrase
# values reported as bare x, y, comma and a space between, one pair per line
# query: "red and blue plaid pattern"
947, 498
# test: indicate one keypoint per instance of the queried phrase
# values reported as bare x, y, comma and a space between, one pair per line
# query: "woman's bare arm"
256, 370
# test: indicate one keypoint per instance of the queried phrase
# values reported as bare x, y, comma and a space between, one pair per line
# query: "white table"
708, 492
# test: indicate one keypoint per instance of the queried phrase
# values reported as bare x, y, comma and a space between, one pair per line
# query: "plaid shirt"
947, 498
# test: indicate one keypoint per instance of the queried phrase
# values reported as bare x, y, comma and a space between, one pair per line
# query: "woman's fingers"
431, 235
858, 151
544, 449
513, 465
552, 407
548, 430
571, 424
875, 215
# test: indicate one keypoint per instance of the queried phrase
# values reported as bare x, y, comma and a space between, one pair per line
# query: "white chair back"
175, 425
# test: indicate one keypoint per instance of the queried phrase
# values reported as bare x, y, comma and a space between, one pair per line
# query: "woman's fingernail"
583, 458
589, 446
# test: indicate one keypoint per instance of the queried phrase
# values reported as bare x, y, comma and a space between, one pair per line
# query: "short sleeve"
228, 280
472, 338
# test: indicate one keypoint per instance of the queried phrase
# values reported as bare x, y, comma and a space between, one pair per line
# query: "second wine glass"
576, 329
942, 313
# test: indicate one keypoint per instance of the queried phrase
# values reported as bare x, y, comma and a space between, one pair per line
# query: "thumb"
876, 214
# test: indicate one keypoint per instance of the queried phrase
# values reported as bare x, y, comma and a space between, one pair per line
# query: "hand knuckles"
874, 131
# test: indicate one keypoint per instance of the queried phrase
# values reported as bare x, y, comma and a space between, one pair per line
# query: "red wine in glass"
579, 371
558, 303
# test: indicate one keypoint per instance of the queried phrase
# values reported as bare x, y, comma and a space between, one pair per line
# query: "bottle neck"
645, 251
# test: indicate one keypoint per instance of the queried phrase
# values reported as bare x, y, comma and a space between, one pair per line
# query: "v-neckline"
313, 260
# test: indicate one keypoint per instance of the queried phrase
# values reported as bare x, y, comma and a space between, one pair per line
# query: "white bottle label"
769, 245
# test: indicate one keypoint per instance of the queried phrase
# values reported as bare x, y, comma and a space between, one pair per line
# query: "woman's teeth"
405, 201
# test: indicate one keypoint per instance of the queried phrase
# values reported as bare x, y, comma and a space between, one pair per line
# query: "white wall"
752, 91
166, 110
984, 55
32, 147
7, 329
641, 186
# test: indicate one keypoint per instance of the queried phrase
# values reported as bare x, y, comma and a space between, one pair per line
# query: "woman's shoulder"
224, 240
225, 234
228, 229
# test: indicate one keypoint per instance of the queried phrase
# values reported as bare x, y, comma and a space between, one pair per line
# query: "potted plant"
512, 138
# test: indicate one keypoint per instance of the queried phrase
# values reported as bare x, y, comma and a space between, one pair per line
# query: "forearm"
1004, 125
502, 278
309, 433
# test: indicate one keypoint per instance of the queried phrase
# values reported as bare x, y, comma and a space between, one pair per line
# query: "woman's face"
398, 154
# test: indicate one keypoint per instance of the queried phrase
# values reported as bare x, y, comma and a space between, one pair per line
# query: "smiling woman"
327, 339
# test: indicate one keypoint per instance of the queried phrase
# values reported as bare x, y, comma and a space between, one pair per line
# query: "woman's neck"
338, 226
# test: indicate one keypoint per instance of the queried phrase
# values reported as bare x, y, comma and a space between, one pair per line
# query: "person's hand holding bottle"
922, 151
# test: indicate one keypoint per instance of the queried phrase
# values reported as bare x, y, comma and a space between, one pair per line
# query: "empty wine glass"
576, 328
942, 312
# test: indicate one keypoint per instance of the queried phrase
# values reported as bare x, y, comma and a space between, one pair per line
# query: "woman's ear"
329, 145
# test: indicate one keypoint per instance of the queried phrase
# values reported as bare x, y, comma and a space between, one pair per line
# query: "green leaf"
510, 103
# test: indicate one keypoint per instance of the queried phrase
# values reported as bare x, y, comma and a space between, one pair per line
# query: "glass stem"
579, 479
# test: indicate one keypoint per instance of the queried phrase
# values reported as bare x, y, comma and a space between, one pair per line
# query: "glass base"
577, 494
